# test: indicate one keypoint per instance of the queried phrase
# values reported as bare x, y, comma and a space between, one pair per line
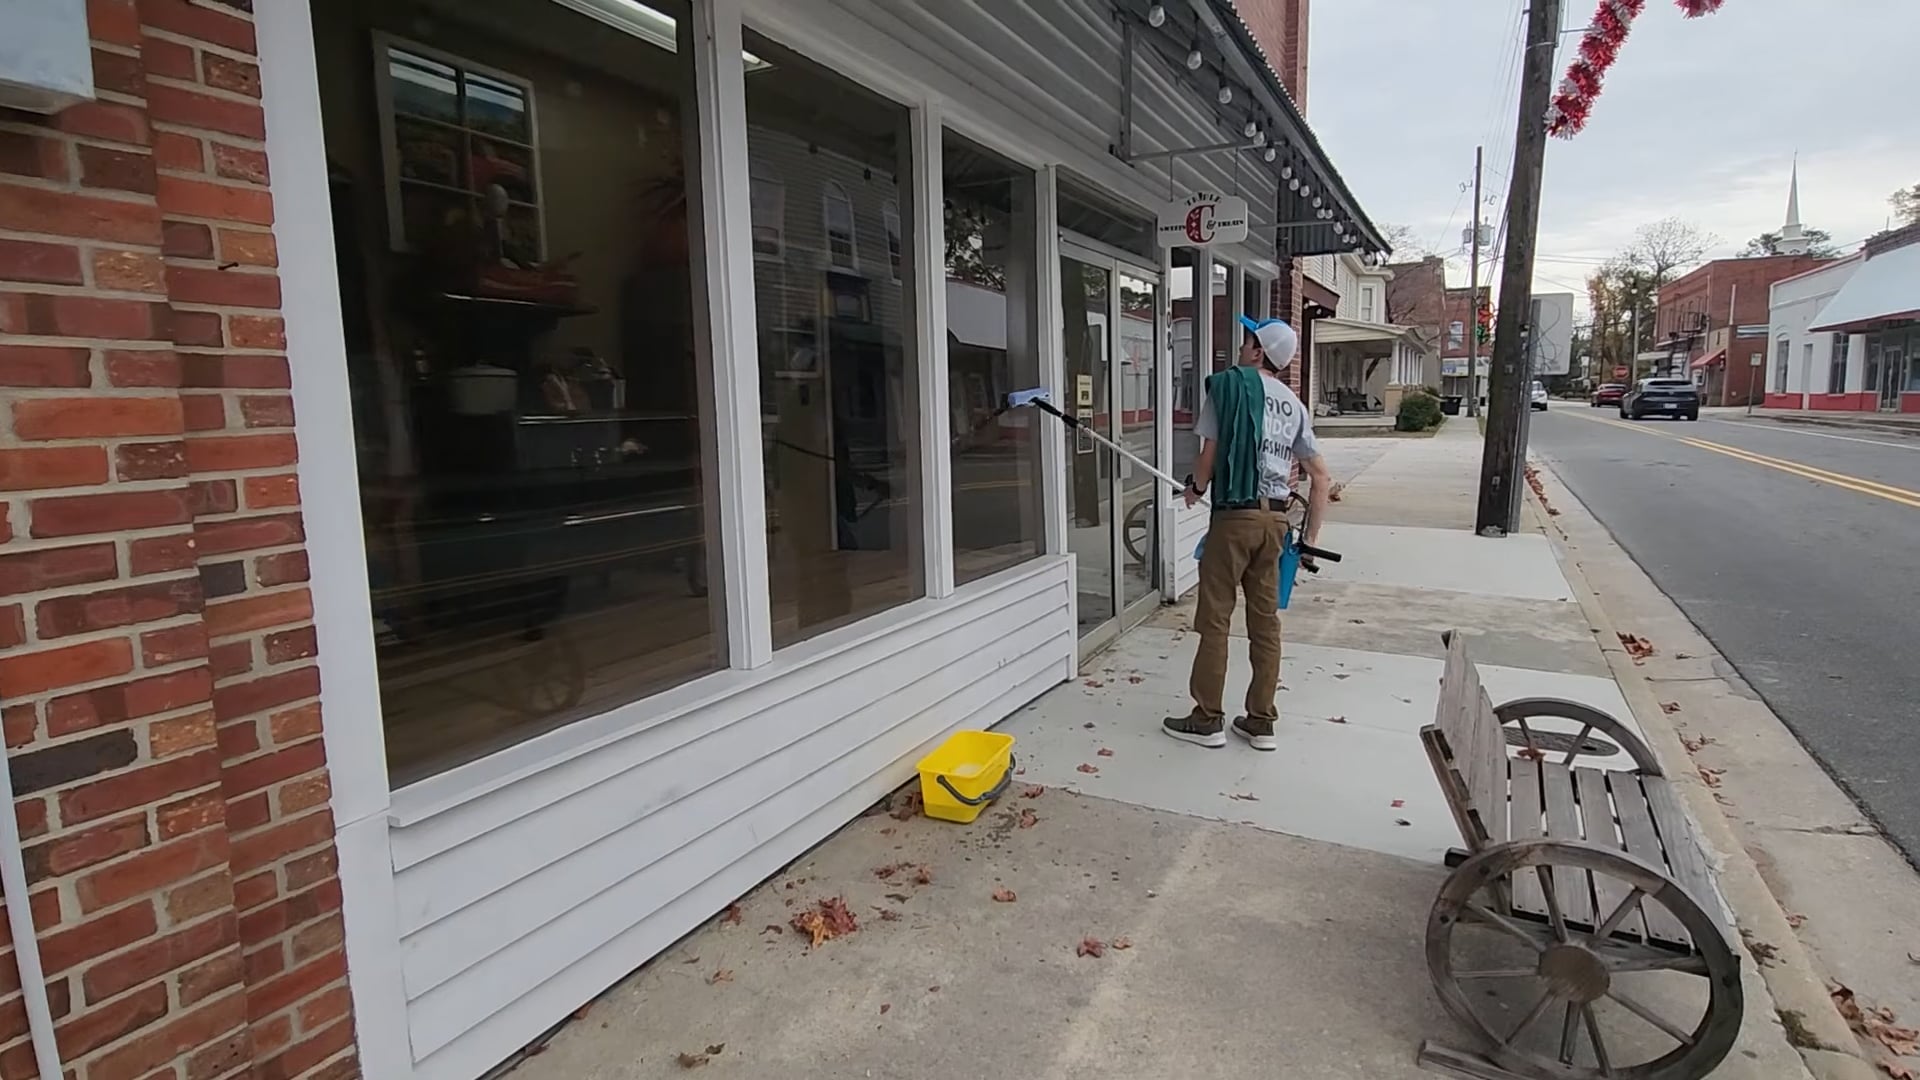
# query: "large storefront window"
510, 191
992, 348
838, 388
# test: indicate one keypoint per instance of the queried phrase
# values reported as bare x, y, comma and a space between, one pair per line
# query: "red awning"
1713, 357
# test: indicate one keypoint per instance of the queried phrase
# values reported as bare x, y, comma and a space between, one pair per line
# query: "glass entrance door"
1893, 371
1114, 341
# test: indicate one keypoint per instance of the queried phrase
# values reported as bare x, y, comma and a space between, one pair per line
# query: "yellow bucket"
968, 771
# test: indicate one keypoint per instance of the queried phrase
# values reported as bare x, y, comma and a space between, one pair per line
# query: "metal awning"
1713, 357
1886, 288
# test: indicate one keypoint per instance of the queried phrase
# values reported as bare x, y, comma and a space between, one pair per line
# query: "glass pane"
1083, 298
424, 87
530, 434
1189, 378
1225, 342
1139, 432
839, 372
992, 348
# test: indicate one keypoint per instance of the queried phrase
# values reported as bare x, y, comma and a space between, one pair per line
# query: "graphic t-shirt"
1288, 436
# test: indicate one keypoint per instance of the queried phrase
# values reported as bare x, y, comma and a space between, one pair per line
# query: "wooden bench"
1595, 869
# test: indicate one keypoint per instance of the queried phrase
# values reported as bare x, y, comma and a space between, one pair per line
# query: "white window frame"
776, 192
1369, 303
829, 192
1782, 358
896, 246
1837, 363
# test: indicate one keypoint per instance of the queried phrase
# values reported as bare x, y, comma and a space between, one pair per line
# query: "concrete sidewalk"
1261, 915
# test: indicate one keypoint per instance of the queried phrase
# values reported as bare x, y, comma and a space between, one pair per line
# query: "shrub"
1418, 412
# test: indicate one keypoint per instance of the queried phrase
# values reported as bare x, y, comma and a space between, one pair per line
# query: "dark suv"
1661, 397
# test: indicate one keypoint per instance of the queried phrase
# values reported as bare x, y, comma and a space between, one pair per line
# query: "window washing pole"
1038, 399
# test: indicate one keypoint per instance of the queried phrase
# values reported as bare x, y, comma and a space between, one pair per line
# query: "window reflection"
1189, 372
510, 204
838, 389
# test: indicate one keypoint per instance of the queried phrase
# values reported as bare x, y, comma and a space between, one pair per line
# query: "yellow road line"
1842, 480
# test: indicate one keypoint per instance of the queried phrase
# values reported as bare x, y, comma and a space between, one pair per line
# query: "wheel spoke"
1569, 1028
1599, 1044
1577, 740
1533, 748
1619, 915
1555, 919
1502, 923
1498, 973
1651, 1017
1692, 965
1533, 1014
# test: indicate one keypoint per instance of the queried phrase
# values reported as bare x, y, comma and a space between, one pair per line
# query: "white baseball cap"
1276, 339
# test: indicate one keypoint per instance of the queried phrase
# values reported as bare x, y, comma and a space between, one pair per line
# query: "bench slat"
1526, 825
1636, 824
1572, 886
1684, 857
1489, 782
1596, 818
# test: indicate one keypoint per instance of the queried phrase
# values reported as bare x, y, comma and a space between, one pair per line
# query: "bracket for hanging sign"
1210, 148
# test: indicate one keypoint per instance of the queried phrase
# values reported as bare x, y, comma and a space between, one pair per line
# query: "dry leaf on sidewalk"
1123, 942
887, 914
1005, 896
1711, 776
826, 920
1637, 647
1085, 768
1796, 920
1694, 745
1088, 725
907, 806
923, 874
1091, 946
1337, 719
884, 1007
1879, 1023
773, 928
692, 1061
1398, 803
1669, 707
1245, 797
1104, 752
1136, 679
1028, 819
724, 975
1032, 791
1095, 683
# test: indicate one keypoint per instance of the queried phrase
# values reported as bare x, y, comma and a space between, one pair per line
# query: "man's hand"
1191, 496
1318, 497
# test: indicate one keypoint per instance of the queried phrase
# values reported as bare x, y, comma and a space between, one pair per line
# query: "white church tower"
1793, 238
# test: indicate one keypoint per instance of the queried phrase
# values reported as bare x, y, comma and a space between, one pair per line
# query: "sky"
1698, 119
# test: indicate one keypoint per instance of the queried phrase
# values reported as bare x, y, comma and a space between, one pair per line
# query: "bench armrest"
1520, 709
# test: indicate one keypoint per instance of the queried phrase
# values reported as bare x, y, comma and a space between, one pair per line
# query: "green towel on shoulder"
1239, 399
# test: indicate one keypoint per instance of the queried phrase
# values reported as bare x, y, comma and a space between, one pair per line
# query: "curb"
1824, 1041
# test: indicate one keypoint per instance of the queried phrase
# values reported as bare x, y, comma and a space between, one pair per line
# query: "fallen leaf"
1085, 768
1344, 675
1669, 707
1004, 896
884, 1007
1123, 942
1403, 822
1358, 622
581, 1012
1104, 752
1336, 719
773, 928
826, 920
732, 915
1032, 791
1245, 796
923, 875
908, 806
1088, 725
1095, 683
888, 831
692, 1061
1694, 745
1091, 946
1028, 819
1398, 803
888, 914
1795, 919
1532, 753
933, 989
1682, 656
1637, 647
691, 960
1136, 679
716, 1049
1711, 776
898, 897
724, 975
1896, 1070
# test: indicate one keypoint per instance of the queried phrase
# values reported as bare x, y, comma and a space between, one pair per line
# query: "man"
1253, 431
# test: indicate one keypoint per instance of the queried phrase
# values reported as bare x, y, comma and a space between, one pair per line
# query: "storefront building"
1846, 337
486, 483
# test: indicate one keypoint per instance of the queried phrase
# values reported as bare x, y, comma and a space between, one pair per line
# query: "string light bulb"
1250, 129
1225, 96
1270, 154
1286, 172
1195, 57
1156, 16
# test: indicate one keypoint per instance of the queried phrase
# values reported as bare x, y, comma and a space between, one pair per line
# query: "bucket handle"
998, 790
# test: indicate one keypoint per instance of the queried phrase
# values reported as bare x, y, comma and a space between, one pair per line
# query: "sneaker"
1199, 730
1258, 733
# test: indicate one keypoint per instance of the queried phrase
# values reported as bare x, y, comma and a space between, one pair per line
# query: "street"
1767, 537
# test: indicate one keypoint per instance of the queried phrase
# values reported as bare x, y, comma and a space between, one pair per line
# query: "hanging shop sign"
1202, 218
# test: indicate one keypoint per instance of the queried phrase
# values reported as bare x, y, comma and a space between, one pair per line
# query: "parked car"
1608, 394
1661, 397
1538, 396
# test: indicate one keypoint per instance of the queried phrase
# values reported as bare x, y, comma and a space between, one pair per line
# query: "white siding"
1792, 307
1189, 525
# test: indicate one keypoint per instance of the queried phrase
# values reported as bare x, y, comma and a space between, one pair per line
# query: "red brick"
331, 1005
13, 313
275, 410
199, 983
143, 367
119, 73
262, 492
150, 870
31, 260
229, 453
128, 701
116, 170
190, 109
150, 461
315, 869
179, 152
214, 497
116, 21
22, 724
222, 537
201, 896
139, 787
264, 963
96, 418
158, 648
76, 315
90, 217
27, 674
227, 288
43, 365
205, 24
168, 59
250, 893
22, 154
266, 692
296, 723
186, 240
13, 626
237, 371
107, 120
50, 568
265, 1000
230, 659
66, 948
89, 847
52, 467
155, 958
129, 271
289, 645
191, 815
282, 569
281, 839
222, 1058
260, 612
223, 202
267, 769
204, 412
159, 554
135, 1059
74, 515
305, 793
182, 733
259, 332
64, 616
250, 248
248, 813
235, 76
198, 328
102, 1024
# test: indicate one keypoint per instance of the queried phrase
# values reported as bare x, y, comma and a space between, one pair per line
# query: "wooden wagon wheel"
1574, 970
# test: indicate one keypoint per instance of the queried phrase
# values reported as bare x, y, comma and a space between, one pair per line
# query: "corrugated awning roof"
1884, 289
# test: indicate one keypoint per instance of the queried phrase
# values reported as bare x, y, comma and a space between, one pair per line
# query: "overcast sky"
1699, 119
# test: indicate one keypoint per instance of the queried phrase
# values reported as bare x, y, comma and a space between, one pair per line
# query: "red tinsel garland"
1599, 48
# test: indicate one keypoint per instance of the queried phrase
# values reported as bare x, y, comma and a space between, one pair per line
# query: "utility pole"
1504, 455
1473, 298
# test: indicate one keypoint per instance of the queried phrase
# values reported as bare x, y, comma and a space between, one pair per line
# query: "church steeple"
1793, 238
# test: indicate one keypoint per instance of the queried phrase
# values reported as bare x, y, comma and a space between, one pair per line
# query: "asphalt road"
1797, 552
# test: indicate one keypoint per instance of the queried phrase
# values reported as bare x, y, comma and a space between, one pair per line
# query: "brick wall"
156, 643
1740, 287
1280, 26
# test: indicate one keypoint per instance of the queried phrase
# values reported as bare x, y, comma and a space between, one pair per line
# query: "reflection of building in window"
769, 219
1837, 366
837, 213
1456, 335
890, 217
459, 151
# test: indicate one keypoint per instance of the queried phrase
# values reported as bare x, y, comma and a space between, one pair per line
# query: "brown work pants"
1242, 552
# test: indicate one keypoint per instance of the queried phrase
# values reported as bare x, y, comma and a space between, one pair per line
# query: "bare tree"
1407, 247
1665, 246
1906, 205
